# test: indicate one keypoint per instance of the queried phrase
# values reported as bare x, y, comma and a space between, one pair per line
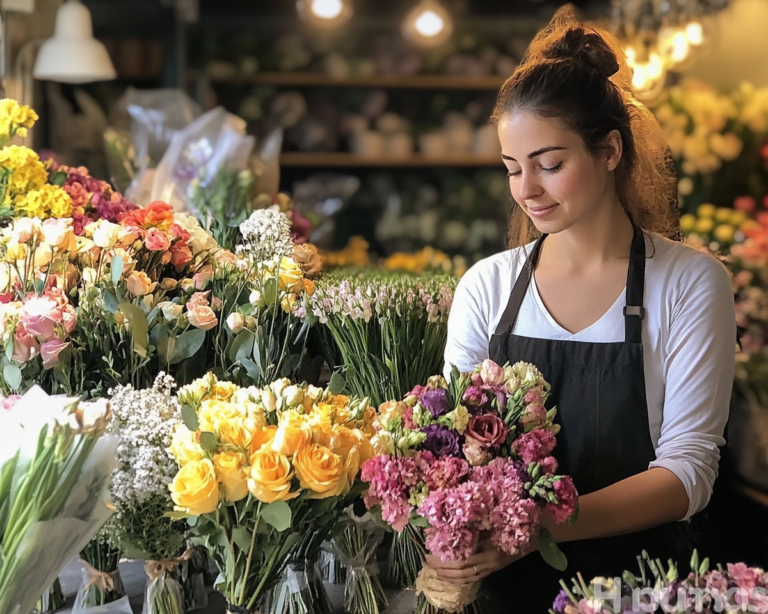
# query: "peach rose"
140, 284
203, 276
157, 241
202, 317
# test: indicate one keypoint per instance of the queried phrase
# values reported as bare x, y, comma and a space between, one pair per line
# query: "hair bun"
585, 46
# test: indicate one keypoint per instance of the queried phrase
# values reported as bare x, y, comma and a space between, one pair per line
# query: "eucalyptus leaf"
242, 346
550, 551
111, 303
12, 376
9, 350
190, 418
270, 291
337, 383
253, 369
242, 537
208, 442
139, 326
188, 344
277, 514
117, 269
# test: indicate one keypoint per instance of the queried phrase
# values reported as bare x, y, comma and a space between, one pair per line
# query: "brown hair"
580, 75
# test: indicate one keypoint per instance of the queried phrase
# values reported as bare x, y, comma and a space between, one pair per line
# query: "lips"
540, 212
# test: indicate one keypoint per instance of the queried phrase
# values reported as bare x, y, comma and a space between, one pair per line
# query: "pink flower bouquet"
467, 462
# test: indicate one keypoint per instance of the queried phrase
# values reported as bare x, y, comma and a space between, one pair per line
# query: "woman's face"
552, 175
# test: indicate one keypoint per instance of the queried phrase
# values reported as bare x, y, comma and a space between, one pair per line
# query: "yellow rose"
140, 284
321, 471
184, 446
262, 438
195, 488
235, 432
230, 472
291, 277
270, 477
213, 412
256, 417
223, 391
293, 431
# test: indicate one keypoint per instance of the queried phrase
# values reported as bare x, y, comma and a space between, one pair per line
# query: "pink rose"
157, 241
8, 403
535, 414
40, 315
216, 303
203, 276
487, 430
24, 345
69, 318
181, 255
50, 351
198, 299
491, 373
202, 317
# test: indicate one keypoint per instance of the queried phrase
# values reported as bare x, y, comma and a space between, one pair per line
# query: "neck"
592, 242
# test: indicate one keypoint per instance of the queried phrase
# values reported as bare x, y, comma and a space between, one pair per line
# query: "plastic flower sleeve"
163, 594
356, 547
100, 591
302, 590
48, 521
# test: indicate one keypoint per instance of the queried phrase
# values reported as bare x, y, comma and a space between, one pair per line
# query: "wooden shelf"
349, 159
311, 79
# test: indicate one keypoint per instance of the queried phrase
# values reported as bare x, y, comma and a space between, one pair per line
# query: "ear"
614, 147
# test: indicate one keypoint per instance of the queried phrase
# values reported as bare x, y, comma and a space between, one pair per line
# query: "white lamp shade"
73, 55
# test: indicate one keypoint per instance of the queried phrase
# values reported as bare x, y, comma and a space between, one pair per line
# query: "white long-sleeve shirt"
689, 336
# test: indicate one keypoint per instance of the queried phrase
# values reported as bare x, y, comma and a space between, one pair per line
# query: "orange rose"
155, 215
262, 438
270, 477
320, 471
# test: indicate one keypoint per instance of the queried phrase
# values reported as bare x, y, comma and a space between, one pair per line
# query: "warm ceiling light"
694, 32
428, 24
325, 13
648, 72
674, 46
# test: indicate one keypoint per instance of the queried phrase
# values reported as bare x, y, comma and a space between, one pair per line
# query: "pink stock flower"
50, 351
535, 446
25, 345
567, 500
40, 315
745, 577
514, 521
157, 240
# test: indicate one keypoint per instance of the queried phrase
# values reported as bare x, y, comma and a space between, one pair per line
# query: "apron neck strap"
634, 312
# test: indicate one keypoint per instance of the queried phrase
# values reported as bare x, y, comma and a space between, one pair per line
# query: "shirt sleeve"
698, 371
468, 338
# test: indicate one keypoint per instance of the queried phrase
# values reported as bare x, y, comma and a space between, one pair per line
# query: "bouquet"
659, 587
102, 584
145, 421
54, 474
388, 330
467, 462
260, 468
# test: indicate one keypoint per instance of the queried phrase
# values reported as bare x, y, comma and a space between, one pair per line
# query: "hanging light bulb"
325, 13
694, 32
648, 71
428, 24
675, 47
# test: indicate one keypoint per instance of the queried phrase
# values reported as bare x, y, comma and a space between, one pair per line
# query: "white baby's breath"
266, 233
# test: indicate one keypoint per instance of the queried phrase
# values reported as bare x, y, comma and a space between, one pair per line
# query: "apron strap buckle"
637, 311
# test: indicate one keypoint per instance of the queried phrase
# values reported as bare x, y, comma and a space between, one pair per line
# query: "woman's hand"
487, 561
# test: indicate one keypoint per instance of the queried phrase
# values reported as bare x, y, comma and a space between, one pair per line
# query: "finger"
461, 575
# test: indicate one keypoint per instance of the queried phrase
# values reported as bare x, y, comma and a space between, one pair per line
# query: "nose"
530, 188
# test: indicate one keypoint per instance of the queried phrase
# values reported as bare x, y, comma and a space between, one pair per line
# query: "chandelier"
661, 36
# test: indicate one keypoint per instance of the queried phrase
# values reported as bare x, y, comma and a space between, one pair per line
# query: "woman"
635, 332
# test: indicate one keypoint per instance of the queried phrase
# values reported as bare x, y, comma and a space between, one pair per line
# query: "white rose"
171, 311
236, 322
106, 234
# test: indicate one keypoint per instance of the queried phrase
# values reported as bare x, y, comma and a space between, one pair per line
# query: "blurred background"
373, 116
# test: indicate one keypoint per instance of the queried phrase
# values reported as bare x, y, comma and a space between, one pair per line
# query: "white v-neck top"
689, 337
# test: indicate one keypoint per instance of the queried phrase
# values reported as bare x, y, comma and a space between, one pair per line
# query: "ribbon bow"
105, 581
155, 569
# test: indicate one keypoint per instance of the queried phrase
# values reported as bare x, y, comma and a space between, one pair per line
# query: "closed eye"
552, 169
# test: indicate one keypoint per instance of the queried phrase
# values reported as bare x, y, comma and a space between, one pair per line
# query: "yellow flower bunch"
15, 119
291, 283
715, 227
44, 202
427, 259
25, 171
277, 443
354, 254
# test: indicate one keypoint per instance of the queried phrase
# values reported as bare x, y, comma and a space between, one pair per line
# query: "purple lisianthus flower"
561, 601
436, 402
442, 441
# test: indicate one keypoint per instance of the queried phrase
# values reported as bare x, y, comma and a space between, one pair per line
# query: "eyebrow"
533, 154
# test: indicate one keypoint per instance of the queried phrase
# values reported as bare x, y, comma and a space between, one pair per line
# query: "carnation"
535, 446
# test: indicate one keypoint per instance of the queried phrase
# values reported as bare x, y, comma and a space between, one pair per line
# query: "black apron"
599, 391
